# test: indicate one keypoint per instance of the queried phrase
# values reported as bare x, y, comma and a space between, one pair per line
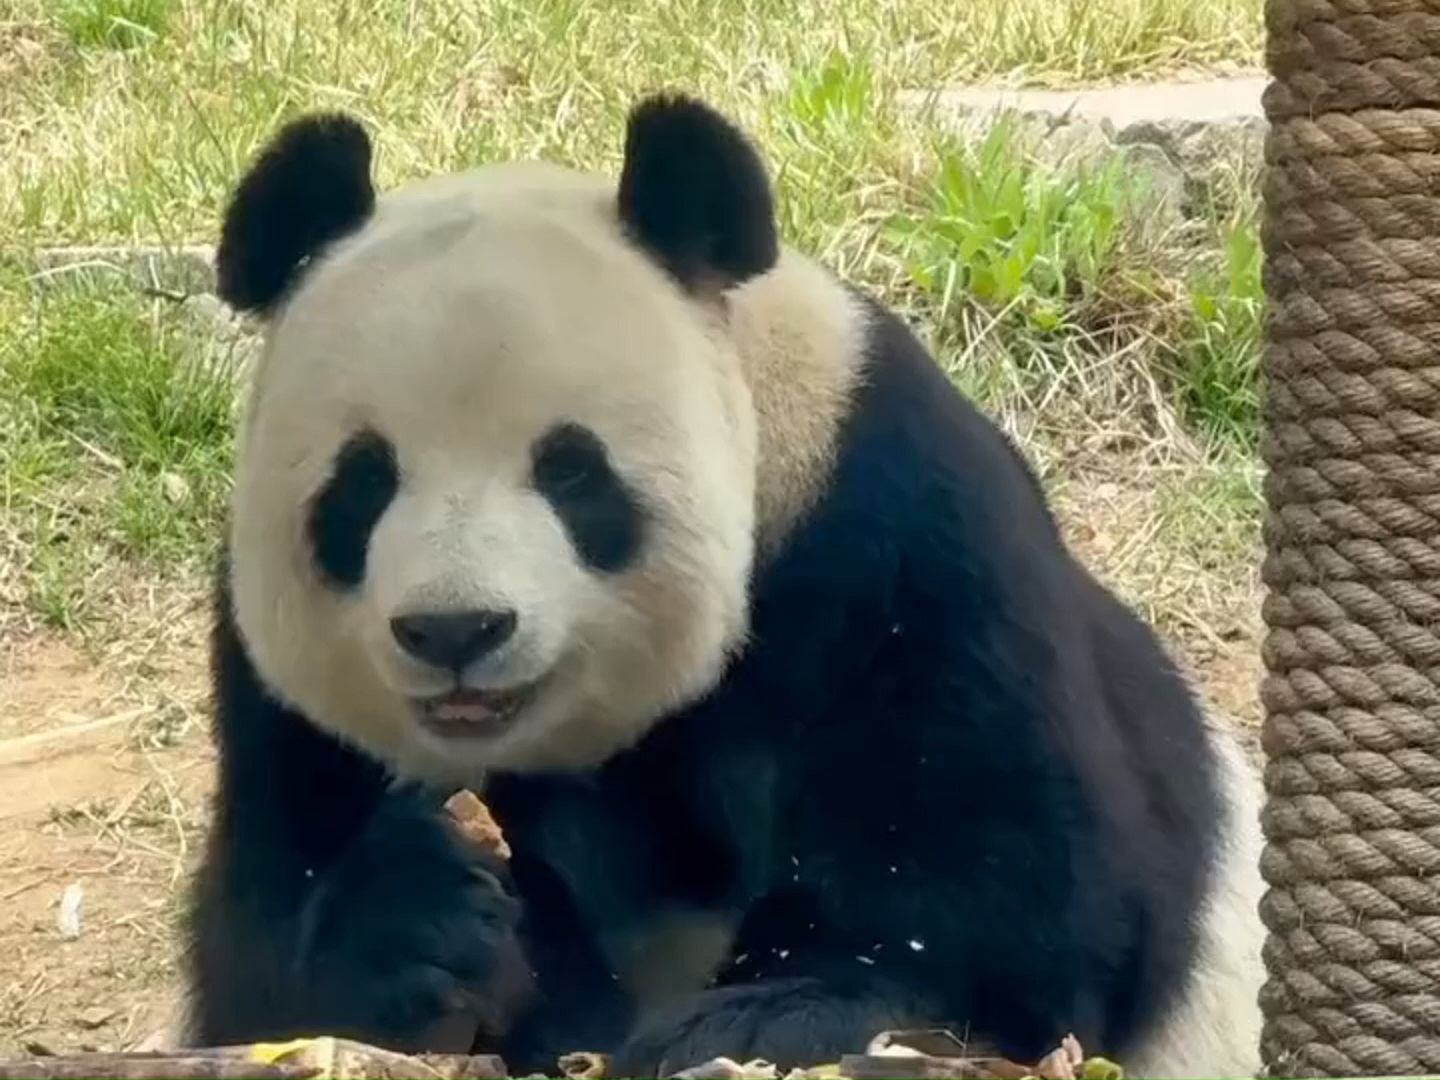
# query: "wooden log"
197, 1066
303, 1059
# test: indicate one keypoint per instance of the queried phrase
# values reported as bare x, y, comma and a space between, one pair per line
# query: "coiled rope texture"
1352, 653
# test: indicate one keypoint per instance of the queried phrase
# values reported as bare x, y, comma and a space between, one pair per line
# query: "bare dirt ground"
105, 769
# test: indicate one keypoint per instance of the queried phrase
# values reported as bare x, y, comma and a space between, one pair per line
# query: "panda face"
495, 492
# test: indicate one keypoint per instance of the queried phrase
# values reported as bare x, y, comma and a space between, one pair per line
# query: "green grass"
120, 24
1046, 288
1217, 358
1080, 285
103, 142
114, 440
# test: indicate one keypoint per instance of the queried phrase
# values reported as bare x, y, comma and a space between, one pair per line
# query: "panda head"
494, 498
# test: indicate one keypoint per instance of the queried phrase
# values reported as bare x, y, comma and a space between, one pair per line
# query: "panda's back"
924, 595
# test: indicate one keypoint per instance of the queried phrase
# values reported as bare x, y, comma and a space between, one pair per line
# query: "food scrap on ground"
921, 1055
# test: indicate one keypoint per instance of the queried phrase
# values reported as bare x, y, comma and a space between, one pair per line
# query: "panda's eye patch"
363, 481
571, 469
568, 459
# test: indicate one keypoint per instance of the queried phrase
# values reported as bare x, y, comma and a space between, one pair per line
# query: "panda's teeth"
475, 711
468, 713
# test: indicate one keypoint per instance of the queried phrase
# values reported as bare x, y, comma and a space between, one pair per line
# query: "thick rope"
1352, 691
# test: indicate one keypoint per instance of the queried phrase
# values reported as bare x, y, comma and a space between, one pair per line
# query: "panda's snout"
453, 639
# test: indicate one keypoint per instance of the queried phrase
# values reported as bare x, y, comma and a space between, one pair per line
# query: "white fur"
800, 335
467, 317
1215, 1029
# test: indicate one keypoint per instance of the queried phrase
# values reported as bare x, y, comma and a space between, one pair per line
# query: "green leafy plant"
840, 94
112, 403
1218, 357
1014, 236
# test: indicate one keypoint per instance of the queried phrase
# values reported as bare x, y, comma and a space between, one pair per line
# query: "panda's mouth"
471, 712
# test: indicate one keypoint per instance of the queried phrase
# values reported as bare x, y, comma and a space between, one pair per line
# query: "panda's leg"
1214, 1030
580, 1003
328, 902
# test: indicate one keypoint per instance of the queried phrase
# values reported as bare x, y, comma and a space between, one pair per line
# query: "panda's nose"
453, 639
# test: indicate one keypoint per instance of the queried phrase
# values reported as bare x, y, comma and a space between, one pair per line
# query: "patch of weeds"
1029, 243
837, 96
1056, 275
1175, 534
1217, 359
115, 24
1213, 512
56, 586
152, 810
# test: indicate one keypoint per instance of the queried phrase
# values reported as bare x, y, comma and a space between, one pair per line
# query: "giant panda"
799, 717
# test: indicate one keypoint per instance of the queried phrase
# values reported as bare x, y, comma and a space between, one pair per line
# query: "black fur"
332, 901
951, 781
309, 187
601, 515
363, 481
693, 192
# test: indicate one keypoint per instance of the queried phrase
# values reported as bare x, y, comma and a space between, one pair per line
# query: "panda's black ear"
308, 187
693, 193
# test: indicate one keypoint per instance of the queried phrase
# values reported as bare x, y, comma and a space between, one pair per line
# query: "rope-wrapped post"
1352, 567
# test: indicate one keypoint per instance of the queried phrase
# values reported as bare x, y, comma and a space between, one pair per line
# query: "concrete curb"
184, 270
1192, 123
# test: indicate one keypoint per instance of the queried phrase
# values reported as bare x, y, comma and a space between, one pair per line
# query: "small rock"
1077, 143
1200, 148
208, 310
1165, 199
159, 1039
94, 1017
68, 918
175, 487
44, 1044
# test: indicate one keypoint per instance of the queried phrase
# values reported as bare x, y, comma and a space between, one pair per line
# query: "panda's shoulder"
926, 516
920, 457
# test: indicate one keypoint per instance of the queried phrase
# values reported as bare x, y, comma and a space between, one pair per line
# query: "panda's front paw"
410, 938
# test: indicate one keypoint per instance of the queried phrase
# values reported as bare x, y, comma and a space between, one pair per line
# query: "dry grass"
137, 130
